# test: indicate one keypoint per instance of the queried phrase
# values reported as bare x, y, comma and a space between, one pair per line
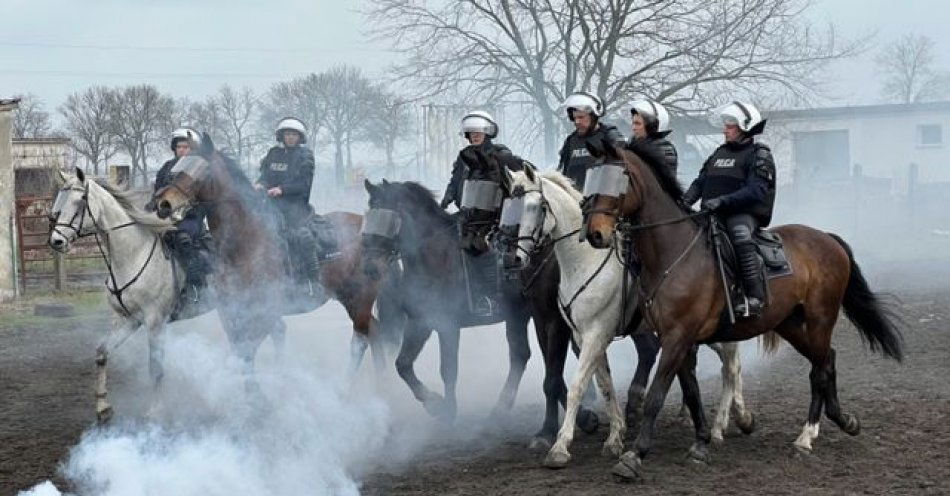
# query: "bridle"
99, 232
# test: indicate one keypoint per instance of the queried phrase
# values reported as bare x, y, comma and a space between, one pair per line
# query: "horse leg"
675, 348
413, 341
793, 331
358, 345
592, 349
727, 372
118, 333
279, 338
733, 359
691, 394
553, 351
846, 421
648, 347
587, 419
519, 351
448, 368
613, 446
156, 355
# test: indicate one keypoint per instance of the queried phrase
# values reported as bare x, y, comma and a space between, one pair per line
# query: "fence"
39, 267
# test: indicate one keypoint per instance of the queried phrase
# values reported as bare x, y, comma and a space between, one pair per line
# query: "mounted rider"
186, 240
737, 182
585, 111
650, 126
286, 175
475, 189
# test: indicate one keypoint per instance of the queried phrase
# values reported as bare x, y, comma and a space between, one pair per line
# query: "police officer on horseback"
651, 125
737, 182
185, 241
475, 189
286, 175
585, 111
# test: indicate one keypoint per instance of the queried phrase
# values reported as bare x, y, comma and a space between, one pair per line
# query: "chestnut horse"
682, 297
250, 276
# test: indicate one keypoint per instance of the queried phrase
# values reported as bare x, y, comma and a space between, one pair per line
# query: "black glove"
712, 204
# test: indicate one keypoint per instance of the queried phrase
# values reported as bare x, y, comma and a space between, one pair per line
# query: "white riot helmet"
654, 115
479, 122
744, 115
185, 133
584, 102
291, 124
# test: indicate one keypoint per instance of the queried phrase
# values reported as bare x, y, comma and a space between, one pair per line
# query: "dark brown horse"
250, 276
683, 298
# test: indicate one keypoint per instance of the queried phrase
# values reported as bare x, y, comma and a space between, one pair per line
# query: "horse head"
526, 213
192, 181
68, 217
621, 186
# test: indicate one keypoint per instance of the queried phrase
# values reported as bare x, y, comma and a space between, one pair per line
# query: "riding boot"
486, 292
750, 266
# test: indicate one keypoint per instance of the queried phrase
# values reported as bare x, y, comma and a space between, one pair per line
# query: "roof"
9, 103
860, 111
41, 141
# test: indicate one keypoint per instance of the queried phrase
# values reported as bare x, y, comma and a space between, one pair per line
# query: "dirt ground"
45, 392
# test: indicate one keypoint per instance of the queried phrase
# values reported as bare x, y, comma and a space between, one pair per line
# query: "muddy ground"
46, 379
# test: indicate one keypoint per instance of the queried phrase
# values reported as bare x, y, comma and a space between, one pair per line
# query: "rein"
115, 290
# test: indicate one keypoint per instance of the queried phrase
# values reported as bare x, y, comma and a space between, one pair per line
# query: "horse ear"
207, 145
529, 173
80, 175
59, 178
370, 187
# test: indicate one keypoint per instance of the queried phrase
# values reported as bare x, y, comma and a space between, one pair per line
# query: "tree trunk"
338, 159
550, 139
390, 167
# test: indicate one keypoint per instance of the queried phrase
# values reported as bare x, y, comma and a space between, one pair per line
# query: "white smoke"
212, 437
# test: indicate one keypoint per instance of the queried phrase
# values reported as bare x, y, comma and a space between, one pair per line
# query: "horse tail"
864, 308
770, 342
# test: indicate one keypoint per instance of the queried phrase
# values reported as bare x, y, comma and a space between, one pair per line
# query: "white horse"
144, 281
590, 299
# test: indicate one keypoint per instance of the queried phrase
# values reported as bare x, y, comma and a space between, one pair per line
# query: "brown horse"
250, 277
683, 297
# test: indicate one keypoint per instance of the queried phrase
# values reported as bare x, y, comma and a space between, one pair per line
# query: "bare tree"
908, 69
87, 124
140, 117
29, 119
388, 120
346, 94
688, 54
238, 109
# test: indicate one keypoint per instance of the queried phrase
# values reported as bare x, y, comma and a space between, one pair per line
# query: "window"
929, 135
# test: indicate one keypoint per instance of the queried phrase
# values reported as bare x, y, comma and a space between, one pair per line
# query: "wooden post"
7, 208
59, 265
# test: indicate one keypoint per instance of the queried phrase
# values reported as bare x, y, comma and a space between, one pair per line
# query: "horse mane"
127, 199
564, 183
651, 157
425, 199
241, 183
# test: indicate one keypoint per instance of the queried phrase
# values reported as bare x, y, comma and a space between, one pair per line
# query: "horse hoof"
629, 468
588, 422
612, 450
540, 444
698, 454
851, 425
104, 415
746, 425
801, 450
717, 439
556, 459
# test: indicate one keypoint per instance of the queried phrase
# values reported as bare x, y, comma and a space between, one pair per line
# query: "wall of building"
883, 144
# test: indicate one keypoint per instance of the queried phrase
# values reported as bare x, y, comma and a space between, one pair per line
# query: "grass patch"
89, 306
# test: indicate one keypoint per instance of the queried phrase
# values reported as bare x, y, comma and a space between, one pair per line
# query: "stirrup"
483, 307
746, 308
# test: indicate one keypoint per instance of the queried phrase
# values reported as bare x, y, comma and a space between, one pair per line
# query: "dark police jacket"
663, 148
576, 159
291, 169
743, 176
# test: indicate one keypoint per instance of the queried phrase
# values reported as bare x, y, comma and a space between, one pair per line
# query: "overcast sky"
54, 47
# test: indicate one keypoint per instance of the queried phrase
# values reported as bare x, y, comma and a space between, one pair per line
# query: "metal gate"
39, 267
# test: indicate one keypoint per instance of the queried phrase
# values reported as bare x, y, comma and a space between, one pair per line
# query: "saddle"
770, 249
